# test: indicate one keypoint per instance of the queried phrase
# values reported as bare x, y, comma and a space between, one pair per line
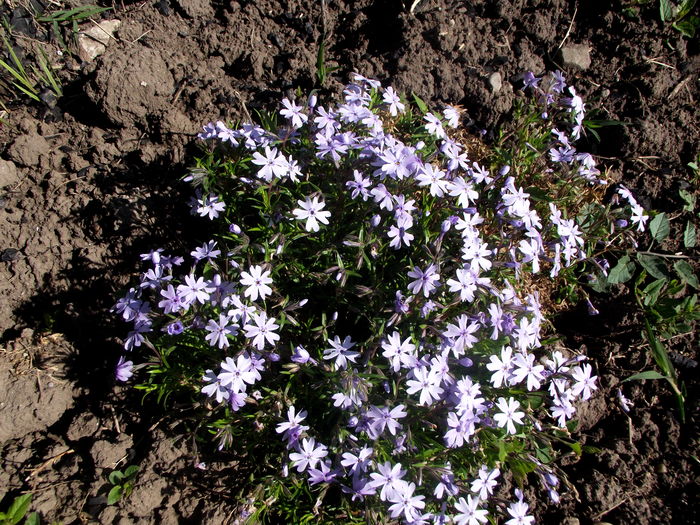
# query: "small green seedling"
665, 291
22, 81
668, 372
123, 483
70, 18
322, 70
678, 15
30, 81
18, 510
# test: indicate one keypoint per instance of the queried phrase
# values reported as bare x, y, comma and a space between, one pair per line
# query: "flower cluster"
382, 288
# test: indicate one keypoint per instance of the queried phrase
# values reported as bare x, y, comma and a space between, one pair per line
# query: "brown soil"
88, 184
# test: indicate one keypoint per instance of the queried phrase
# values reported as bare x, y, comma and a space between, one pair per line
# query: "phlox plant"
366, 325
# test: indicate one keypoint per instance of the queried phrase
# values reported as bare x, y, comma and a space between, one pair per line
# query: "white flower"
273, 164
391, 98
638, 217
262, 331
584, 383
340, 352
470, 513
501, 367
293, 112
434, 126
428, 175
427, 381
237, 374
310, 210
508, 414
309, 454
426, 281
256, 280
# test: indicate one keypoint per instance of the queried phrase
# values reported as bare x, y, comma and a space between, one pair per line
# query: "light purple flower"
509, 414
340, 351
123, 370
310, 210
426, 280
309, 454
256, 281
294, 113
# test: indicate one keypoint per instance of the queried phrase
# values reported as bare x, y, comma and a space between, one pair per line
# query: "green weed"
69, 18
322, 69
678, 15
665, 288
31, 80
18, 510
122, 483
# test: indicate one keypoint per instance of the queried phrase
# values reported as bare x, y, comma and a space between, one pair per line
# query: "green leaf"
539, 194
594, 124
685, 272
649, 374
652, 291
665, 10
689, 235
114, 495
419, 102
658, 351
18, 509
685, 7
688, 27
33, 519
501, 451
576, 447
131, 471
660, 227
622, 272
116, 477
599, 284
689, 199
655, 266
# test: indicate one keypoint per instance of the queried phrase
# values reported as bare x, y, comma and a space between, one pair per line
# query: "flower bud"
313, 99
504, 170
551, 479
375, 220
592, 310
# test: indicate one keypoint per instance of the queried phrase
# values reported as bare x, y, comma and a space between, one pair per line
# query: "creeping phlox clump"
372, 299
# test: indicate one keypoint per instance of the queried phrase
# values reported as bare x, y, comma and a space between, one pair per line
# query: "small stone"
8, 174
576, 56
570, 521
93, 42
10, 255
495, 81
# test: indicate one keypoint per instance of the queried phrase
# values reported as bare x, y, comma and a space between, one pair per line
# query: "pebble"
8, 174
495, 81
93, 42
576, 56
571, 521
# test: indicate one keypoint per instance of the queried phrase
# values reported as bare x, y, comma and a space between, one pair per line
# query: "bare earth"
87, 185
